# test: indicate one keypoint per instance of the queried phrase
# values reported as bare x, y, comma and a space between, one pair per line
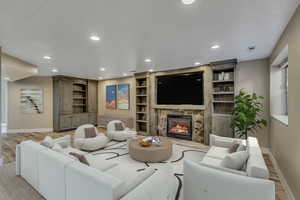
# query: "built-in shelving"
223, 97
142, 104
223, 90
80, 90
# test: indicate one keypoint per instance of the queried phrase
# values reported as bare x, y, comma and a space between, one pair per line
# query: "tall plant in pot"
247, 112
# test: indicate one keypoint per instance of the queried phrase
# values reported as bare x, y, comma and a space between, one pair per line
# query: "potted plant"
247, 112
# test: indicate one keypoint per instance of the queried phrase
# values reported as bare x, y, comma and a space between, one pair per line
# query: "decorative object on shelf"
246, 114
111, 96
32, 101
123, 97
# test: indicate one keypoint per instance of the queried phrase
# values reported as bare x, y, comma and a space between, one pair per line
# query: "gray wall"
284, 140
253, 77
0, 110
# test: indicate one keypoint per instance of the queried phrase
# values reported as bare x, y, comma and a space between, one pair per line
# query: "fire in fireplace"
179, 126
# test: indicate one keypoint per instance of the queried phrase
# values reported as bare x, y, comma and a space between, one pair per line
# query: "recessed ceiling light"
100, 77
95, 37
47, 57
147, 60
124, 74
216, 46
102, 69
197, 63
150, 70
54, 70
188, 2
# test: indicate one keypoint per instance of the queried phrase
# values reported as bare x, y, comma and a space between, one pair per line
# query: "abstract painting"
32, 101
111, 97
123, 97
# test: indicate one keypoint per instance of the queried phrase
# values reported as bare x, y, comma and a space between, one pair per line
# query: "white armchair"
121, 135
89, 144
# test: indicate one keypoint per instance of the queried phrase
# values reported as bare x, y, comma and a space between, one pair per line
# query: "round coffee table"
152, 153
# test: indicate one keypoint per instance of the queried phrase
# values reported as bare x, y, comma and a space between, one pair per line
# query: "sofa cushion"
211, 161
235, 160
217, 152
130, 176
222, 141
242, 147
80, 157
48, 142
99, 163
68, 150
57, 148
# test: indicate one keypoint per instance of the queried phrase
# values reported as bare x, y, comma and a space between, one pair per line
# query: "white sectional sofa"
58, 176
215, 182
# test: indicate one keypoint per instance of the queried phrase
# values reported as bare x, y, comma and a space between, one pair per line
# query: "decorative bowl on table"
145, 143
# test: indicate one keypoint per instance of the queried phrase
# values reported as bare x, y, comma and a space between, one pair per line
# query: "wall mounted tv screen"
180, 89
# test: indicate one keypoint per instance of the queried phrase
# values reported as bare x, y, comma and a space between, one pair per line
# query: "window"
284, 87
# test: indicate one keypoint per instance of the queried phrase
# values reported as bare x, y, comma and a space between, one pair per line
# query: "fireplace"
179, 126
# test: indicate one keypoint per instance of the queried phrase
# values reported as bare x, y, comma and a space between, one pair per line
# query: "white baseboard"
37, 130
280, 174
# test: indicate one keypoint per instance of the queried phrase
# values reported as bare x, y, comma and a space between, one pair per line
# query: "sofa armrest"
215, 184
219, 141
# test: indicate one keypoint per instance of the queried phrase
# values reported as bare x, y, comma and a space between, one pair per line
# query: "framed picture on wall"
32, 101
123, 97
111, 97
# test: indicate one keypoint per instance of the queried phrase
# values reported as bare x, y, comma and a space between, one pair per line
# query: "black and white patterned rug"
118, 152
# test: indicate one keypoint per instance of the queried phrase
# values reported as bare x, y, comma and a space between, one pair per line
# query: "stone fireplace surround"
201, 114
197, 122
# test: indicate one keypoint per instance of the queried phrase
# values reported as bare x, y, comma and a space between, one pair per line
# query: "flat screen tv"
180, 89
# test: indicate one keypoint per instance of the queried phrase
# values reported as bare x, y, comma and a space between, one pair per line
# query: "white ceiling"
173, 35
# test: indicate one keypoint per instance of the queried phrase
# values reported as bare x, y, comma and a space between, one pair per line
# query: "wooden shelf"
141, 86
222, 115
79, 91
143, 121
85, 84
219, 93
141, 104
223, 101
223, 81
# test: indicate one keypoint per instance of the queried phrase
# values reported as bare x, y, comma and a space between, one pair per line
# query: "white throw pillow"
241, 148
48, 142
57, 148
235, 160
